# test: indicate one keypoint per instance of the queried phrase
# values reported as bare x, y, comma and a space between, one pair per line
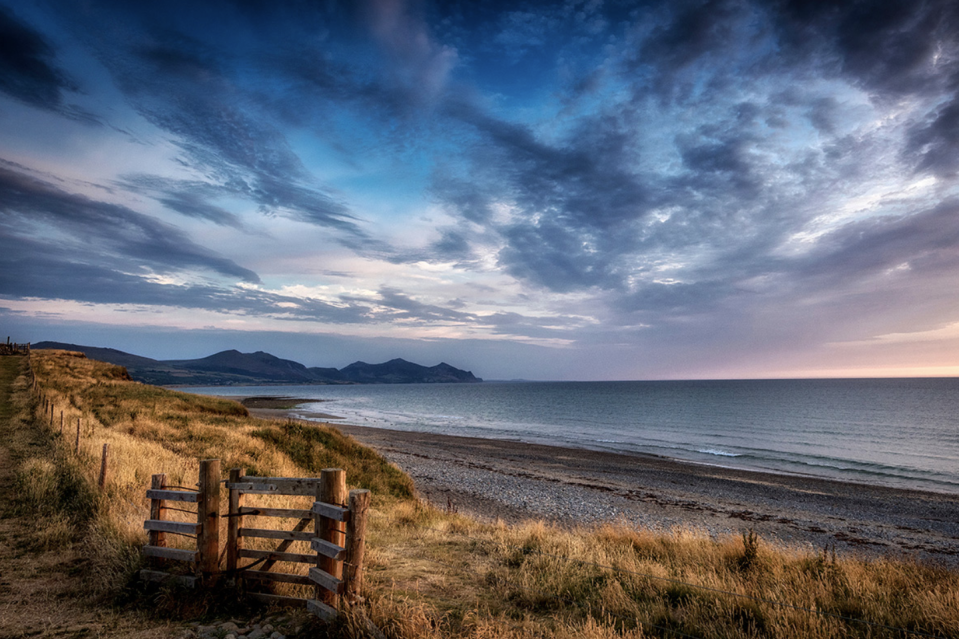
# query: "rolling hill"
233, 367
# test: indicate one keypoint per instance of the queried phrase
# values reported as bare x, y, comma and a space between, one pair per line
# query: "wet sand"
514, 481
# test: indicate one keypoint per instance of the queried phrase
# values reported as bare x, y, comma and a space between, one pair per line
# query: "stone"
256, 634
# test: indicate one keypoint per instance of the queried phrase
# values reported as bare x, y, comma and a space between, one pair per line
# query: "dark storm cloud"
890, 45
583, 205
463, 196
37, 268
894, 49
516, 324
28, 67
193, 205
245, 157
188, 87
858, 258
726, 160
60, 245
574, 200
53, 278
453, 245
187, 197
224, 92
823, 113
924, 242
52, 274
28, 204
404, 307
589, 212
935, 143
694, 30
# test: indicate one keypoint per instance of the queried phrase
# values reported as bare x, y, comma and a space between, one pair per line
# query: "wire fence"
645, 623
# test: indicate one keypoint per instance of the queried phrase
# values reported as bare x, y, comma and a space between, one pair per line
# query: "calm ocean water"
895, 432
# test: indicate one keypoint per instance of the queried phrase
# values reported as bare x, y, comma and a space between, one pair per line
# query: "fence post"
61, 423
103, 467
356, 544
331, 490
157, 538
208, 516
78, 435
235, 522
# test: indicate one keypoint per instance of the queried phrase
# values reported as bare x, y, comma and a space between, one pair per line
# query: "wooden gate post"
331, 490
208, 516
356, 544
78, 435
235, 522
156, 537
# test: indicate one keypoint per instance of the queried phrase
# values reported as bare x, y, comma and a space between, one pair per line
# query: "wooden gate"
337, 539
332, 546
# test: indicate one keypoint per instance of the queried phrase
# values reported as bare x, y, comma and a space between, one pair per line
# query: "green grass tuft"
315, 447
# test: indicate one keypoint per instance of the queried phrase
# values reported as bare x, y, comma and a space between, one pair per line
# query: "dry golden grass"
435, 574
153, 430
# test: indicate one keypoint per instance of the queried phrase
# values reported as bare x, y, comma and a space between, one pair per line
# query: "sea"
894, 432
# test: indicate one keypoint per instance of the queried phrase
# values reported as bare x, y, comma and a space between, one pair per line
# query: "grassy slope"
432, 574
43, 559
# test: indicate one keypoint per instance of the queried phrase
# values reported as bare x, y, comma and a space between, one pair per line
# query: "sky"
588, 190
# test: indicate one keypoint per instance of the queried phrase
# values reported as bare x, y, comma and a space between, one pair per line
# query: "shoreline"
515, 481
498, 479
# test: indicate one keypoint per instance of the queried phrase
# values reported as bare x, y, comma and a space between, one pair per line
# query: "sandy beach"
514, 481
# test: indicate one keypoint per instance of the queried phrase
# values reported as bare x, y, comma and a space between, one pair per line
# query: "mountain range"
233, 367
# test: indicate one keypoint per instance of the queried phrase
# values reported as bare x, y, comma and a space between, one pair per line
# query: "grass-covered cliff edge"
437, 574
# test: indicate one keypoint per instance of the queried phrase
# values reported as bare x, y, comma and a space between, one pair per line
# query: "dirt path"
42, 590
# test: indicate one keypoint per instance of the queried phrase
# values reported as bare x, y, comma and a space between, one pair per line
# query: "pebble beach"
516, 481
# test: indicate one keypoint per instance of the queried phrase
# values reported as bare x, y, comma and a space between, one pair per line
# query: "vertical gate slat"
208, 516
332, 490
157, 507
356, 543
235, 522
